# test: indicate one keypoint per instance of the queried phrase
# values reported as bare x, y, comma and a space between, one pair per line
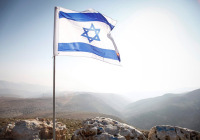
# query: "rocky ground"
71, 125
101, 128
98, 128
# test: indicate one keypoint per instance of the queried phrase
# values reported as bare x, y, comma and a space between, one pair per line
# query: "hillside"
118, 102
84, 104
170, 109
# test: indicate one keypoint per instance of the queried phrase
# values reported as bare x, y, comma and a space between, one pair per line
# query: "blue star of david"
92, 28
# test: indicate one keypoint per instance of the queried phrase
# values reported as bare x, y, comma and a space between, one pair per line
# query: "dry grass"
72, 125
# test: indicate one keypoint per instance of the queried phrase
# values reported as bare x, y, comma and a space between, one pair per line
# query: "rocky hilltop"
99, 128
32, 129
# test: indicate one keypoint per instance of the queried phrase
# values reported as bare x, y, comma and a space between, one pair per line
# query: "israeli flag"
84, 33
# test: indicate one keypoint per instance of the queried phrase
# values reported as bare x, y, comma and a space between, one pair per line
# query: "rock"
101, 128
33, 129
166, 132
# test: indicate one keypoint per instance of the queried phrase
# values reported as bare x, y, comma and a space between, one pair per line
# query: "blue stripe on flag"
84, 17
83, 47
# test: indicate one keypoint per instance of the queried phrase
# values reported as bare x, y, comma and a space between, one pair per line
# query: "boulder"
33, 129
101, 128
166, 132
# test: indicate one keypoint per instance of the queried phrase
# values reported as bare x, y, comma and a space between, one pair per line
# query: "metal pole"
54, 131
54, 68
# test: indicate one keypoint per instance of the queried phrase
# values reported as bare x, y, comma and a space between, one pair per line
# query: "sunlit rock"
33, 129
166, 132
101, 128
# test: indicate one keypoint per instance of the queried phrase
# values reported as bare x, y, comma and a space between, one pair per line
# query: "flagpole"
54, 68
54, 114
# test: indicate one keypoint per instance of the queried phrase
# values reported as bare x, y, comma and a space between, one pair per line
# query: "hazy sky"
159, 43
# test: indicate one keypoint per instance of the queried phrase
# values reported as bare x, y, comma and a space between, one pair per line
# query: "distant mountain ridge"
170, 109
86, 103
22, 90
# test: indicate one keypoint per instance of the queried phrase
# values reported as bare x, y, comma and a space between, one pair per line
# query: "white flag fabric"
86, 34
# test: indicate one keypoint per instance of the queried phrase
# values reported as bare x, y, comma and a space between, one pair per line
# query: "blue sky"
159, 43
